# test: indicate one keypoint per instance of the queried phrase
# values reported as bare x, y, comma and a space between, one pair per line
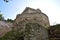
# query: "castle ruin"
33, 23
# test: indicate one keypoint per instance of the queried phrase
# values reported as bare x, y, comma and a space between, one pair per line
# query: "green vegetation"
13, 35
57, 26
1, 17
28, 28
54, 32
54, 29
9, 20
16, 34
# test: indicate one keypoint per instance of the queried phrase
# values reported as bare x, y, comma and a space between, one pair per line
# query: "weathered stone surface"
32, 15
37, 29
34, 31
5, 27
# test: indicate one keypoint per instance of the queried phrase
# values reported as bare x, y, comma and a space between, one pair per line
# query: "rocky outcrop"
34, 16
5, 27
37, 23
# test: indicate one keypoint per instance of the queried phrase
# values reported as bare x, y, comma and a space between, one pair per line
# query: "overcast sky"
50, 7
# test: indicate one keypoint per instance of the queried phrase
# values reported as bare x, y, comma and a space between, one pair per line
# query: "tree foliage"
13, 35
1, 17
6, 1
9, 20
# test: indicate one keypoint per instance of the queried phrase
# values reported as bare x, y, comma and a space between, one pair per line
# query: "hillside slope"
54, 32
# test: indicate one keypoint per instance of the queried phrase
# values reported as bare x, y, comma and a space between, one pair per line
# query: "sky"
50, 7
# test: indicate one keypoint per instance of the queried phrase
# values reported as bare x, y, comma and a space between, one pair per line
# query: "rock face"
34, 16
33, 23
34, 31
5, 27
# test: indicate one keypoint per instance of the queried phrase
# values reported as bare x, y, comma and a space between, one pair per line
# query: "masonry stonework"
34, 23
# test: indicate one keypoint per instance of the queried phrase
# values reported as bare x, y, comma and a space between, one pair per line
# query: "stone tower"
33, 23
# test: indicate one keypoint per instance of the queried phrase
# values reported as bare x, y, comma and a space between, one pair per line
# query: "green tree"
1, 17
9, 20
6, 1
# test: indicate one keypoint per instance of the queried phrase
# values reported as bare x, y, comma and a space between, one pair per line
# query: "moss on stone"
13, 35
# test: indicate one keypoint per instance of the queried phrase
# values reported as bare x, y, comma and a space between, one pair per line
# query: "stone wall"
34, 31
34, 16
39, 23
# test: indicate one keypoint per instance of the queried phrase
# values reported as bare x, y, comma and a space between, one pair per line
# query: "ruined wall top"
33, 15
31, 10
